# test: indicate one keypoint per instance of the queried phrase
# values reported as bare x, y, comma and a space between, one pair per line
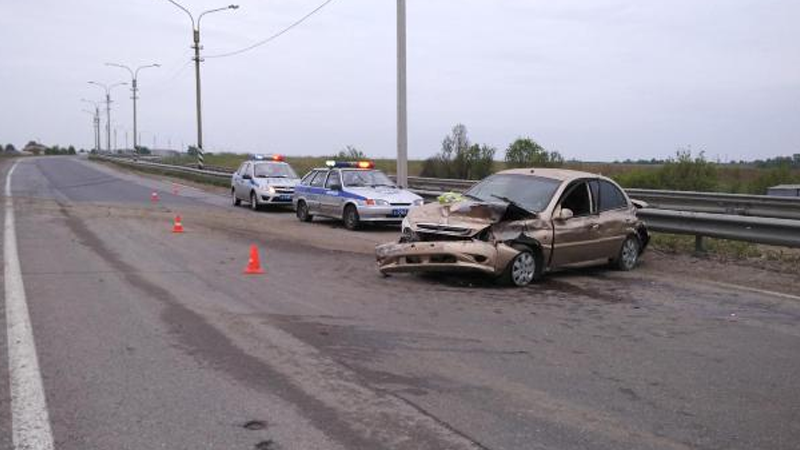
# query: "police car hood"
390, 194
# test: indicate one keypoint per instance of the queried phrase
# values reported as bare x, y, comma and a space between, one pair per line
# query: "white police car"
264, 180
352, 191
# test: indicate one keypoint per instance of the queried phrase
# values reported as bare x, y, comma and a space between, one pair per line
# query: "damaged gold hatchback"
518, 224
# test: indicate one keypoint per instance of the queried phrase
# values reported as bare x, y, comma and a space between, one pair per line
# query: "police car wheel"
236, 201
302, 212
253, 201
351, 220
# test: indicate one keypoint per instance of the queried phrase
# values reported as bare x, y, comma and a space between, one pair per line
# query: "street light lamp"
96, 122
134, 89
197, 60
108, 89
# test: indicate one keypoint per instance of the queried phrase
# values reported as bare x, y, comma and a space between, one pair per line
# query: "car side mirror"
566, 214
247, 177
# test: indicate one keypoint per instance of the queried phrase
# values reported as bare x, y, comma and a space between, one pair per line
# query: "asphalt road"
147, 339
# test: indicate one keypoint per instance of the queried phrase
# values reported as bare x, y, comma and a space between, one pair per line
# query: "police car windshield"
363, 178
274, 170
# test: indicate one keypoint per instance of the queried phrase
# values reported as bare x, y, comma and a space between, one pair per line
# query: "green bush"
460, 159
525, 152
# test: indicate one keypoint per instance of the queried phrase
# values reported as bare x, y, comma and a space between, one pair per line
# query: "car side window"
308, 177
240, 172
334, 181
578, 200
611, 197
319, 179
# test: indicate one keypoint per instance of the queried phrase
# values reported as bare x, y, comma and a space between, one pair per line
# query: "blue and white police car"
264, 180
352, 191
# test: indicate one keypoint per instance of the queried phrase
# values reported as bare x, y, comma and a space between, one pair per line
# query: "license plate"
399, 212
285, 197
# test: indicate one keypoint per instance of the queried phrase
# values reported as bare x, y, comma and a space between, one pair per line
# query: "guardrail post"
699, 248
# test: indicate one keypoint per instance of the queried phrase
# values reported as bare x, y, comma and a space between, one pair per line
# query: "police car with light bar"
264, 180
352, 191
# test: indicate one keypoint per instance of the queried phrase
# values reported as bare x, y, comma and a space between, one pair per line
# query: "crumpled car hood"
468, 214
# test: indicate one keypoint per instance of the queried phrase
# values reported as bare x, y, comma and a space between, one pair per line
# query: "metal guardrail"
760, 230
724, 216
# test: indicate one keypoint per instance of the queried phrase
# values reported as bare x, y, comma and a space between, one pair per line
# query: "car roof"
555, 174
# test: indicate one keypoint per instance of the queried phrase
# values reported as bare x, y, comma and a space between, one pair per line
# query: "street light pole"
96, 122
402, 111
197, 60
135, 90
108, 89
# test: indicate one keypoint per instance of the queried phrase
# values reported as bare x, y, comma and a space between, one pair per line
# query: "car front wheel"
302, 212
351, 220
628, 254
253, 201
523, 269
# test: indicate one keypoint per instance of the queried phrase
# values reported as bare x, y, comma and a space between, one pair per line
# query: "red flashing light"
278, 158
365, 165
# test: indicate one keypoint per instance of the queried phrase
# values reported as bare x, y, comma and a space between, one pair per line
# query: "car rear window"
611, 197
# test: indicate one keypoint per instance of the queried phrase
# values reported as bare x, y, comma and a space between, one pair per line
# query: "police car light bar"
278, 158
351, 164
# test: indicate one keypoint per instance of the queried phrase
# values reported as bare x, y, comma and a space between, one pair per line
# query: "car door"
614, 217
238, 181
575, 238
331, 202
315, 192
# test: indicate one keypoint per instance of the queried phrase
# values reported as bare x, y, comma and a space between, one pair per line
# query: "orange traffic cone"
177, 226
154, 197
253, 265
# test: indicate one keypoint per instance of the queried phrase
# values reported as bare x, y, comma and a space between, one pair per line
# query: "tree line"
459, 158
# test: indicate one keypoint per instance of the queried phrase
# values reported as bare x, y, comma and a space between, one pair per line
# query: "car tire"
628, 255
523, 269
350, 218
236, 201
302, 212
254, 201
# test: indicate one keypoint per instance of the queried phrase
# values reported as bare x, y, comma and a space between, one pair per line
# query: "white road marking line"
30, 422
752, 289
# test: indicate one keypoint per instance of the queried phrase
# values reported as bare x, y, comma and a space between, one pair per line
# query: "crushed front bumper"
444, 256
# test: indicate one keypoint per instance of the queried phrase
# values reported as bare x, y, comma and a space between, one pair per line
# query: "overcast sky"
595, 80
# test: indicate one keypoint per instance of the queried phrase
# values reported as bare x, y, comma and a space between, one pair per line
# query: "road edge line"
30, 421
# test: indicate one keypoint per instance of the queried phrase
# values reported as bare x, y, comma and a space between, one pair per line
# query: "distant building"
785, 190
34, 148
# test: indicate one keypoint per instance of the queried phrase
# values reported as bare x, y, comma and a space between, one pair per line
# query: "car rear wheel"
302, 212
235, 200
523, 269
253, 201
628, 254
350, 218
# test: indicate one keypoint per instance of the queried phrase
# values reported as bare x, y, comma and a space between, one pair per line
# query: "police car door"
316, 191
240, 185
331, 201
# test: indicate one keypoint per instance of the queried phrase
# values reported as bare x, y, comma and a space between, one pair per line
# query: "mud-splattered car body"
533, 220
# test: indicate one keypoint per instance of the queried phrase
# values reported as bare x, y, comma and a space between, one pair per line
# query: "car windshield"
530, 192
274, 170
360, 178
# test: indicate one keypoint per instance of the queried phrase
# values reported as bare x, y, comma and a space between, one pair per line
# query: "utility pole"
402, 111
197, 60
134, 90
108, 89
